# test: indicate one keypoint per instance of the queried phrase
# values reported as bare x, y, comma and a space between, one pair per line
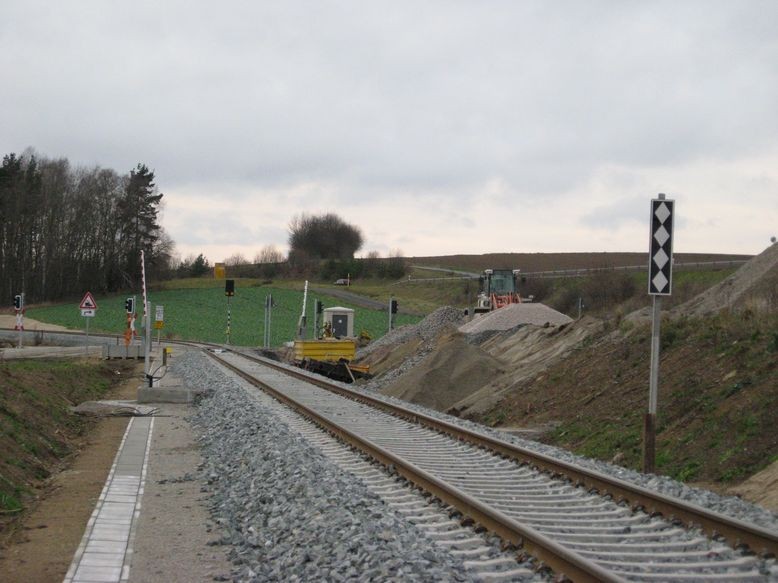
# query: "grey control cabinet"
341, 320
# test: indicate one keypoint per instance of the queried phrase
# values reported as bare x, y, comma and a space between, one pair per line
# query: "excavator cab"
499, 288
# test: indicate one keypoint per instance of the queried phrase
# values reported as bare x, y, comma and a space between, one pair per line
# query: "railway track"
585, 525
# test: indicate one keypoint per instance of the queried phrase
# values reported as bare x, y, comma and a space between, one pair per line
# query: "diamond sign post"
660, 267
660, 283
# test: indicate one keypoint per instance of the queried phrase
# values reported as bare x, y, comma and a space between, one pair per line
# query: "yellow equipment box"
328, 349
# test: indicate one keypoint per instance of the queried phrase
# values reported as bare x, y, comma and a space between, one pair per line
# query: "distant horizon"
580, 253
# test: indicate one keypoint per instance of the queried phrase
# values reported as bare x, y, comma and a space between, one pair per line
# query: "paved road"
351, 297
446, 270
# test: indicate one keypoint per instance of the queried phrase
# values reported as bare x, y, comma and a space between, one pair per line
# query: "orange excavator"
499, 288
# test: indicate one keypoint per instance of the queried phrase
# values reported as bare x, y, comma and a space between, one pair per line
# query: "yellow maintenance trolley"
331, 355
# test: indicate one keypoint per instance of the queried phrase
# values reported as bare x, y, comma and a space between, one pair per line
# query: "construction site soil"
583, 385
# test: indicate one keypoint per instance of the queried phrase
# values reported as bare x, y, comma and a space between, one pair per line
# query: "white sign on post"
88, 308
88, 302
159, 319
660, 267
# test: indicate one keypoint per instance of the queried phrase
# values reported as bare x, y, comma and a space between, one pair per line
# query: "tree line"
64, 230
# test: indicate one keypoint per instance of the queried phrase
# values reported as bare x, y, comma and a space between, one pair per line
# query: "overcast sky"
436, 127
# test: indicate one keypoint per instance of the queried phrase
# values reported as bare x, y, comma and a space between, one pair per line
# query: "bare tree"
236, 259
269, 254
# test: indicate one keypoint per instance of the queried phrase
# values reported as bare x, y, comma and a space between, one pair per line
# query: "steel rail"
737, 532
560, 559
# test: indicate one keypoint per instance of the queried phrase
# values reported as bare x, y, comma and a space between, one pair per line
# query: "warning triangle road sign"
88, 303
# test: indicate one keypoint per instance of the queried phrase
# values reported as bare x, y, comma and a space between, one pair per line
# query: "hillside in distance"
529, 262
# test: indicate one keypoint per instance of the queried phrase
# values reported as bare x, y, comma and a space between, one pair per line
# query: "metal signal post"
229, 318
229, 291
660, 276
268, 311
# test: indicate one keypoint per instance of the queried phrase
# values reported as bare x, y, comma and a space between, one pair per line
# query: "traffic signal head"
229, 287
18, 302
394, 306
129, 305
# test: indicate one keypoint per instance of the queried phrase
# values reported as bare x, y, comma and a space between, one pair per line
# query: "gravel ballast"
288, 513
729, 505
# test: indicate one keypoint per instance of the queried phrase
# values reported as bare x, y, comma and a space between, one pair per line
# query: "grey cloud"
436, 97
621, 211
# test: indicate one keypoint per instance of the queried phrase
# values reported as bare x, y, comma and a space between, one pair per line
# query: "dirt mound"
401, 349
469, 373
448, 374
754, 286
761, 488
515, 315
525, 353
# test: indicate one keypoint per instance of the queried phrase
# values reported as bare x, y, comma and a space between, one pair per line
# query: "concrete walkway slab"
106, 548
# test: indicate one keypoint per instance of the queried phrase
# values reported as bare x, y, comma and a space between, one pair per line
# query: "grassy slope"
198, 311
37, 429
717, 402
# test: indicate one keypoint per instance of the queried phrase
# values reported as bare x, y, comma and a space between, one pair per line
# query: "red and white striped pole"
143, 283
146, 320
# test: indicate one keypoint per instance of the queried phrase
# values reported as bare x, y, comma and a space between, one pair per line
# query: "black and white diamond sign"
660, 263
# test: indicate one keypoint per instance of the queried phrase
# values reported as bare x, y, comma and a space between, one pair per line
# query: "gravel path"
350, 297
288, 513
171, 543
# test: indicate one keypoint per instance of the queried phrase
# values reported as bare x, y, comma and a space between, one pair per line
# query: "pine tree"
138, 228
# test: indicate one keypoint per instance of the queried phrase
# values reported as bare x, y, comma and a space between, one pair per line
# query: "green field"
200, 314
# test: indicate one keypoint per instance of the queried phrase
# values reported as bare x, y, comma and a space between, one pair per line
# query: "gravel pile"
730, 292
515, 315
428, 330
288, 514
